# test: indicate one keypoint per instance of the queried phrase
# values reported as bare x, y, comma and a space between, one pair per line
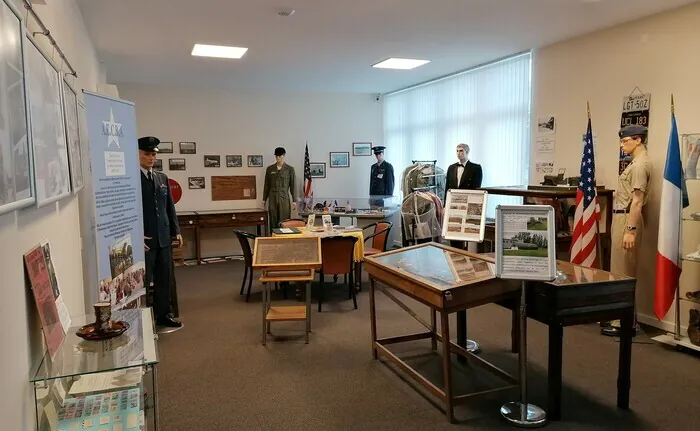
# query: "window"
487, 108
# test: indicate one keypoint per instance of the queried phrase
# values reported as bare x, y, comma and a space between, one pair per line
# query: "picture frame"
165, 147
255, 161
690, 144
525, 242
188, 148
318, 169
212, 161
72, 127
464, 215
361, 149
340, 159
177, 164
196, 183
158, 165
234, 161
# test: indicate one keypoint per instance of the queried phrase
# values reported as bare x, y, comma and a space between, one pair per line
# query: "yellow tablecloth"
358, 253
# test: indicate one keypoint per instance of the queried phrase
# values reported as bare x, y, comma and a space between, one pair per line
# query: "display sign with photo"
525, 242
464, 216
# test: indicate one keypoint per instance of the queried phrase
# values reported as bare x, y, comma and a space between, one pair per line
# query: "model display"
381, 180
279, 184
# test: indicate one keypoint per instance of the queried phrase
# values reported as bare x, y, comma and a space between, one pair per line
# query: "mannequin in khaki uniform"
631, 195
279, 184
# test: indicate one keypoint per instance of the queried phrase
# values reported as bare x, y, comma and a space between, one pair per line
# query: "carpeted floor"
215, 375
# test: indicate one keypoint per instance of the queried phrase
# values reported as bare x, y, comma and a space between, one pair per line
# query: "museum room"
365, 215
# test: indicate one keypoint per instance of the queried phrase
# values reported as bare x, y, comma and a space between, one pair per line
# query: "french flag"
668, 255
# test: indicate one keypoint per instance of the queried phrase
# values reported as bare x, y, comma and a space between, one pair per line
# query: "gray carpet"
215, 374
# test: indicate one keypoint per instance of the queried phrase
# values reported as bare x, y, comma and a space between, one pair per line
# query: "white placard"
464, 216
327, 222
546, 144
525, 242
310, 221
544, 167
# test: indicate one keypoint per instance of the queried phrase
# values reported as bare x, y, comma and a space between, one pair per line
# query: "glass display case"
377, 207
100, 385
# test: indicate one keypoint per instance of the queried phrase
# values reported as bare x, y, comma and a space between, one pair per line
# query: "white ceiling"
330, 45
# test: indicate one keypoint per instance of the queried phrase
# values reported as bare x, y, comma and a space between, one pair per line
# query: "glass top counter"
135, 347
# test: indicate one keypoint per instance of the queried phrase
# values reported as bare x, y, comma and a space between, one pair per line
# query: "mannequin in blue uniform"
381, 179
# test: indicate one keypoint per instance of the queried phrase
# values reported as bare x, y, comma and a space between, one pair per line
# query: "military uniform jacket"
381, 180
159, 217
471, 177
279, 183
635, 177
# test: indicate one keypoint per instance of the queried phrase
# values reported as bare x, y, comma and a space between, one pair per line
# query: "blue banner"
116, 183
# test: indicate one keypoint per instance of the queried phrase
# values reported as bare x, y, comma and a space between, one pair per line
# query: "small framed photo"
177, 164
361, 148
188, 148
234, 161
318, 169
212, 161
196, 182
158, 165
165, 147
255, 161
340, 159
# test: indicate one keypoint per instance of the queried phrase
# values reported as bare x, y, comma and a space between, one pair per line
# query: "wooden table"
233, 218
439, 277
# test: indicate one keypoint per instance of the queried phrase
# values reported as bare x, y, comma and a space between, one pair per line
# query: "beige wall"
660, 56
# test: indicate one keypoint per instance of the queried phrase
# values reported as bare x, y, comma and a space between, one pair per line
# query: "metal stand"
520, 413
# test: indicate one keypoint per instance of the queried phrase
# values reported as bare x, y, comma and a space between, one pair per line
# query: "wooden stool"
283, 313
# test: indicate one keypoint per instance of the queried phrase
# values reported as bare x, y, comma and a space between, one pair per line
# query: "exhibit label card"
116, 178
464, 217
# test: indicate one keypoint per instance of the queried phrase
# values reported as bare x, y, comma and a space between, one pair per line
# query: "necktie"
150, 178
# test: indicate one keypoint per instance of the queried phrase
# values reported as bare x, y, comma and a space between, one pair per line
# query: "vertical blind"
487, 108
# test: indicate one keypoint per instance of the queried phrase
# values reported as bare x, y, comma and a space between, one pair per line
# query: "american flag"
585, 238
307, 174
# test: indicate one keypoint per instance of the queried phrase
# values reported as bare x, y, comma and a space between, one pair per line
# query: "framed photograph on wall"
361, 148
340, 159
235, 161
158, 165
691, 155
16, 176
255, 161
212, 161
196, 183
177, 164
188, 148
318, 169
165, 147
75, 159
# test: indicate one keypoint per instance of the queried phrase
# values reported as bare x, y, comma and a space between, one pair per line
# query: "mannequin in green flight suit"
279, 184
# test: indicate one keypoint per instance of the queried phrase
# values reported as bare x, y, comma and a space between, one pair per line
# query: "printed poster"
63, 313
116, 178
464, 216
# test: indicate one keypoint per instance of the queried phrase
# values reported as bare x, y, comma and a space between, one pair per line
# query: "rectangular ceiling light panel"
400, 63
218, 51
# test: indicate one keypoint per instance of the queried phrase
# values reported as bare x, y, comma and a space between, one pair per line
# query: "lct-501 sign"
635, 111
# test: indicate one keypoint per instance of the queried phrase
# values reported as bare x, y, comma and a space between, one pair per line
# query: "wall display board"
464, 217
229, 188
116, 179
635, 111
16, 189
75, 159
50, 151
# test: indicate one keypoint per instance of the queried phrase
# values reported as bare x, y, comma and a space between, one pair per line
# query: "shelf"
690, 219
694, 301
671, 341
286, 313
685, 259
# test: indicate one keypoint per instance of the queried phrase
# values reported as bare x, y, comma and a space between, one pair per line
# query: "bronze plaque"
232, 188
273, 251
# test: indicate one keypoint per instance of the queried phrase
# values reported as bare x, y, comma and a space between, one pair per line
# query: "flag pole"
599, 249
677, 334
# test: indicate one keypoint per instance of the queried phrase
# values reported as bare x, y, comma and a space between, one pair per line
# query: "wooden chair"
293, 222
243, 238
337, 252
379, 237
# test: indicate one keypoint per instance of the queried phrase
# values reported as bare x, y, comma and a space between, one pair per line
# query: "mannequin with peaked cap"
381, 179
279, 185
631, 194
159, 227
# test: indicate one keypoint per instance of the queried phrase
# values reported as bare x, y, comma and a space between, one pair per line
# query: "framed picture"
188, 148
75, 160
361, 148
234, 161
158, 165
16, 187
212, 161
525, 242
691, 155
255, 161
318, 169
165, 147
340, 159
464, 216
196, 182
177, 164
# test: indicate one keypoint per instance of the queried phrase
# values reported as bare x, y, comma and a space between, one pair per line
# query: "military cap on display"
378, 150
634, 130
279, 151
149, 143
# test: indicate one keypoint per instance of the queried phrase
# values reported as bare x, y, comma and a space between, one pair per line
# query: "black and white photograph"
50, 150
158, 165
177, 164
361, 148
75, 159
121, 255
165, 147
196, 182
255, 161
546, 125
318, 169
212, 161
188, 148
340, 159
235, 161
15, 175
691, 155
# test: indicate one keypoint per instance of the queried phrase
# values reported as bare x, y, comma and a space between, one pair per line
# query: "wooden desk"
233, 218
446, 280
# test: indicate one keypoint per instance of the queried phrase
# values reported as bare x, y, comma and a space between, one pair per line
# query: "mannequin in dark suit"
160, 226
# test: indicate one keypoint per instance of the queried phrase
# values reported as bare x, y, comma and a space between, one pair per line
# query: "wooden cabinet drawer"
231, 219
187, 220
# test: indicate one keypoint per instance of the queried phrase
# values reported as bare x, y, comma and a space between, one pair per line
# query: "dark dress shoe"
616, 331
694, 327
168, 321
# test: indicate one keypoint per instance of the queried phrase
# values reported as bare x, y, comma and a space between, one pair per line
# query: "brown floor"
215, 375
